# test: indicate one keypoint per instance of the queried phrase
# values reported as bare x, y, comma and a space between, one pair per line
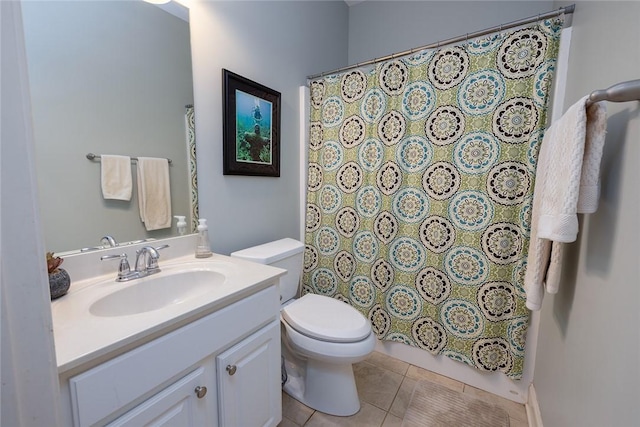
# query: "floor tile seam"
434, 380
370, 361
404, 377
290, 420
388, 410
306, 423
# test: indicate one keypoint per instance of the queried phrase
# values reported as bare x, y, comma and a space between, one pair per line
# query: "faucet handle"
124, 269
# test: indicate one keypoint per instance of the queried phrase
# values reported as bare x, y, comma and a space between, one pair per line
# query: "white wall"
29, 389
276, 44
587, 369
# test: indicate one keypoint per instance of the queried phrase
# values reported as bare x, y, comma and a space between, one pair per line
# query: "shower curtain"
419, 195
190, 127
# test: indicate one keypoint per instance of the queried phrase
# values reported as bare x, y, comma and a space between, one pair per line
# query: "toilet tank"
284, 253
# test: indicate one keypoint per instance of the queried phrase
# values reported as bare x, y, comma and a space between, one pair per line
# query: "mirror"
106, 77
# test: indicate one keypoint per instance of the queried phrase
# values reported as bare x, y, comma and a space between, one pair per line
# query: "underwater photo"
253, 128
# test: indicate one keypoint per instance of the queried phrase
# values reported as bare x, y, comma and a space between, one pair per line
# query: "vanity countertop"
83, 338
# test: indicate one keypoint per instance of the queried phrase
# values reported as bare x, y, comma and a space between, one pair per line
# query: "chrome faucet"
146, 263
109, 241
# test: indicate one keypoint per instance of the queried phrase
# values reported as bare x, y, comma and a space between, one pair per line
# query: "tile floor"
385, 385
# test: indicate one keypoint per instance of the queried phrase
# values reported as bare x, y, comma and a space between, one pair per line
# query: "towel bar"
621, 92
92, 156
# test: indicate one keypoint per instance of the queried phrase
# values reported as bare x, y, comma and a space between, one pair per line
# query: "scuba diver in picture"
257, 116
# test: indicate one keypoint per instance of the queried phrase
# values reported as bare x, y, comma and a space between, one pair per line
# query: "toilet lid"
326, 319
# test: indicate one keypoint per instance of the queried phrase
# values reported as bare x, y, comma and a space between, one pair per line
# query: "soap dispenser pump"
181, 224
203, 248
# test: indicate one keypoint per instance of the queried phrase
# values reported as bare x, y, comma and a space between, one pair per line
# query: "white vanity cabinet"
180, 404
222, 369
249, 380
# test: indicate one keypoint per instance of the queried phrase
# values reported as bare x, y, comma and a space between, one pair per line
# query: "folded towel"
567, 183
154, 194
116, 177
569, 163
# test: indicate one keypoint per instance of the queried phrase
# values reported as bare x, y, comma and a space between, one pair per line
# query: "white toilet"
321, 336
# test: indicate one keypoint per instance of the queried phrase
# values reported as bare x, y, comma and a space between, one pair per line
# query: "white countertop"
82, 337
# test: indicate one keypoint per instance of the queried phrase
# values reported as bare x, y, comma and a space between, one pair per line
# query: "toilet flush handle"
231, 369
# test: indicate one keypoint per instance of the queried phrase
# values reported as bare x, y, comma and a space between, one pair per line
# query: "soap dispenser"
182, 224
203, 248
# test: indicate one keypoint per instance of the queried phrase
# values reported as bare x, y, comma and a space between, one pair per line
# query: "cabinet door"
176, 406
249, 380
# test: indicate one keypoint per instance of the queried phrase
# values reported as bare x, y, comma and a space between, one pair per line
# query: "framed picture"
251, 130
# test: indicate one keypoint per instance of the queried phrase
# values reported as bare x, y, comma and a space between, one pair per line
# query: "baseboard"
533, 410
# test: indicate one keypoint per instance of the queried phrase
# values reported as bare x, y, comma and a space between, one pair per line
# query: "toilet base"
326, 387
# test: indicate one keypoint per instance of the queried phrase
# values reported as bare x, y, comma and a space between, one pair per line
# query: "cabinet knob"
201, 391
231, 369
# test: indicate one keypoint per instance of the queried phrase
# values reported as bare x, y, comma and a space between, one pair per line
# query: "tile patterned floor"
385, 386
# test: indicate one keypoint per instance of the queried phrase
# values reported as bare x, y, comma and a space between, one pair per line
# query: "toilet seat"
326, 319
325, 351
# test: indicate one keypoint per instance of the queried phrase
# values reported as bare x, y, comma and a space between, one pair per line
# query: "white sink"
156, 292
99, 316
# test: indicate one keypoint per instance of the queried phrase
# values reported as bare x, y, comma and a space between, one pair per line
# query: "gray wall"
109, 78
379, 28
276, 44
588, 364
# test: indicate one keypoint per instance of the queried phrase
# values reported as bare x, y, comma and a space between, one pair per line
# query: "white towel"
116, 177
567, 183
154, 194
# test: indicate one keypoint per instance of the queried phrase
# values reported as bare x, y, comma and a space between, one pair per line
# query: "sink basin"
156, 292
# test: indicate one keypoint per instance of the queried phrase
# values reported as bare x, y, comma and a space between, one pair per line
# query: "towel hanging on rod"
92, 156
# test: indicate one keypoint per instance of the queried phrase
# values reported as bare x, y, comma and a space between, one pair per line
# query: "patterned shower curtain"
419, 196
190, 128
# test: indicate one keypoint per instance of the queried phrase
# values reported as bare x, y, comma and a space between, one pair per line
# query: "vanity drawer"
120, 383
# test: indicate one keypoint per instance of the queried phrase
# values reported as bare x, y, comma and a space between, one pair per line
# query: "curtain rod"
563, 10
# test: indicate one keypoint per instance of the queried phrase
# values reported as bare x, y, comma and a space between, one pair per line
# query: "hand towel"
116, 177
154, 193
567, 183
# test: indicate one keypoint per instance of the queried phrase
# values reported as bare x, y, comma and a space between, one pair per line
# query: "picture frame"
251, 127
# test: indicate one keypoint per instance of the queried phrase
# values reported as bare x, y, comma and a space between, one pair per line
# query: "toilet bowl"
321, 336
